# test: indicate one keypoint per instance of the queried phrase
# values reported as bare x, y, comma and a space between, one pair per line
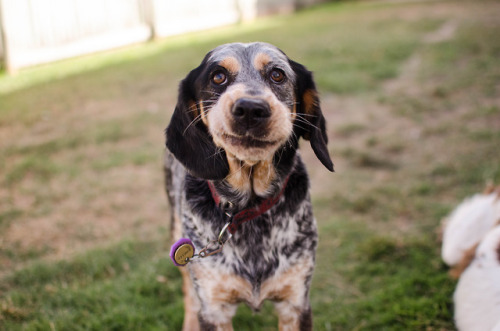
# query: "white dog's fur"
468, 224
475, 223
477, 296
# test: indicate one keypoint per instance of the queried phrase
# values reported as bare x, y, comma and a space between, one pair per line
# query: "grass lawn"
411, 92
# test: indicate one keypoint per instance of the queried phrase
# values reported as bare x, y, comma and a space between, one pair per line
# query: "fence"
40, 31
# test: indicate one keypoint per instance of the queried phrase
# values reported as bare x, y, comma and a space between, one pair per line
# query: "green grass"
83, 215
114, 284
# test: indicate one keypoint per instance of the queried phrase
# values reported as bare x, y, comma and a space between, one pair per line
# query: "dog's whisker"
304, 114
298, 126
303, 121
301, 125
211, 92
193, 122
218, 151
291, 104
195, 106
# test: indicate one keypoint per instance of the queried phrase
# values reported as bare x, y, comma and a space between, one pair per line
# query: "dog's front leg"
191, 304
216, 316
219, 294
208, 326
289, 291
293, 318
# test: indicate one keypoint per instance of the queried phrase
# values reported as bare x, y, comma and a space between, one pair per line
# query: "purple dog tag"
181, 252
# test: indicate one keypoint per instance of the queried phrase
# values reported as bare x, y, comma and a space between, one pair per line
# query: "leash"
183, 251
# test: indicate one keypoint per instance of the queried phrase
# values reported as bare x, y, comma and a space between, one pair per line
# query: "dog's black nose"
250, 112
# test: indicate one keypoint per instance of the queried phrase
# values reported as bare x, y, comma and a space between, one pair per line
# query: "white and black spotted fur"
237, 124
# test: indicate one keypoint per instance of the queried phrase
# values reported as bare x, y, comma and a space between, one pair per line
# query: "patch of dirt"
68, 214
444, 33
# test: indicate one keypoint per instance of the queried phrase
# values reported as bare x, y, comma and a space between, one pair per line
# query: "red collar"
250, 213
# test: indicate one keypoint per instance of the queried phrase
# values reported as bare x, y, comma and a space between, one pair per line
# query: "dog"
471, 246
235, 180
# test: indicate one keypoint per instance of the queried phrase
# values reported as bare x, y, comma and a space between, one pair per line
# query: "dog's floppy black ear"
311, 124
188, 138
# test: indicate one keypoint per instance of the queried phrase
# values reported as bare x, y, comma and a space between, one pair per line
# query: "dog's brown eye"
277, 75
219, 78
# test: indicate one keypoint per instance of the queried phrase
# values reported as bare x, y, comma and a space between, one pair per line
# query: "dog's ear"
188, 138
311, 124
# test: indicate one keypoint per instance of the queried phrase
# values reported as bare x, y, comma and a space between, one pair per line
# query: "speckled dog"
233, 142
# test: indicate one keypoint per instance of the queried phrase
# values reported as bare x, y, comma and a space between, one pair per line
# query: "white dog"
477, 296
471, 241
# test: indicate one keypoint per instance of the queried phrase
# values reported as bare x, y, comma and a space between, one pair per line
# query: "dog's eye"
219, 78
277, 75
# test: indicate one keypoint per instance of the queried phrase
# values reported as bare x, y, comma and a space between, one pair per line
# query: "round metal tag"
181, 250
182, 253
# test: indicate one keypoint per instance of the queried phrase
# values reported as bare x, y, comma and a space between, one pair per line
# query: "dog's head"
243, 104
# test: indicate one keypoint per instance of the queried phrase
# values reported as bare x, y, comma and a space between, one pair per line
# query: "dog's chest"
261, 247
219, 285
266, 259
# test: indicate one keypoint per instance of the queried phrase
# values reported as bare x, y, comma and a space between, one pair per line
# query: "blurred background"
35, 32
411, 93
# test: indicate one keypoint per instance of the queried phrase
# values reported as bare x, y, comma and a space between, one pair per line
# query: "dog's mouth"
247, 141
251, 129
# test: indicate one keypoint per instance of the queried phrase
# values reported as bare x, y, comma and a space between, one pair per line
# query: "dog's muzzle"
250, 116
